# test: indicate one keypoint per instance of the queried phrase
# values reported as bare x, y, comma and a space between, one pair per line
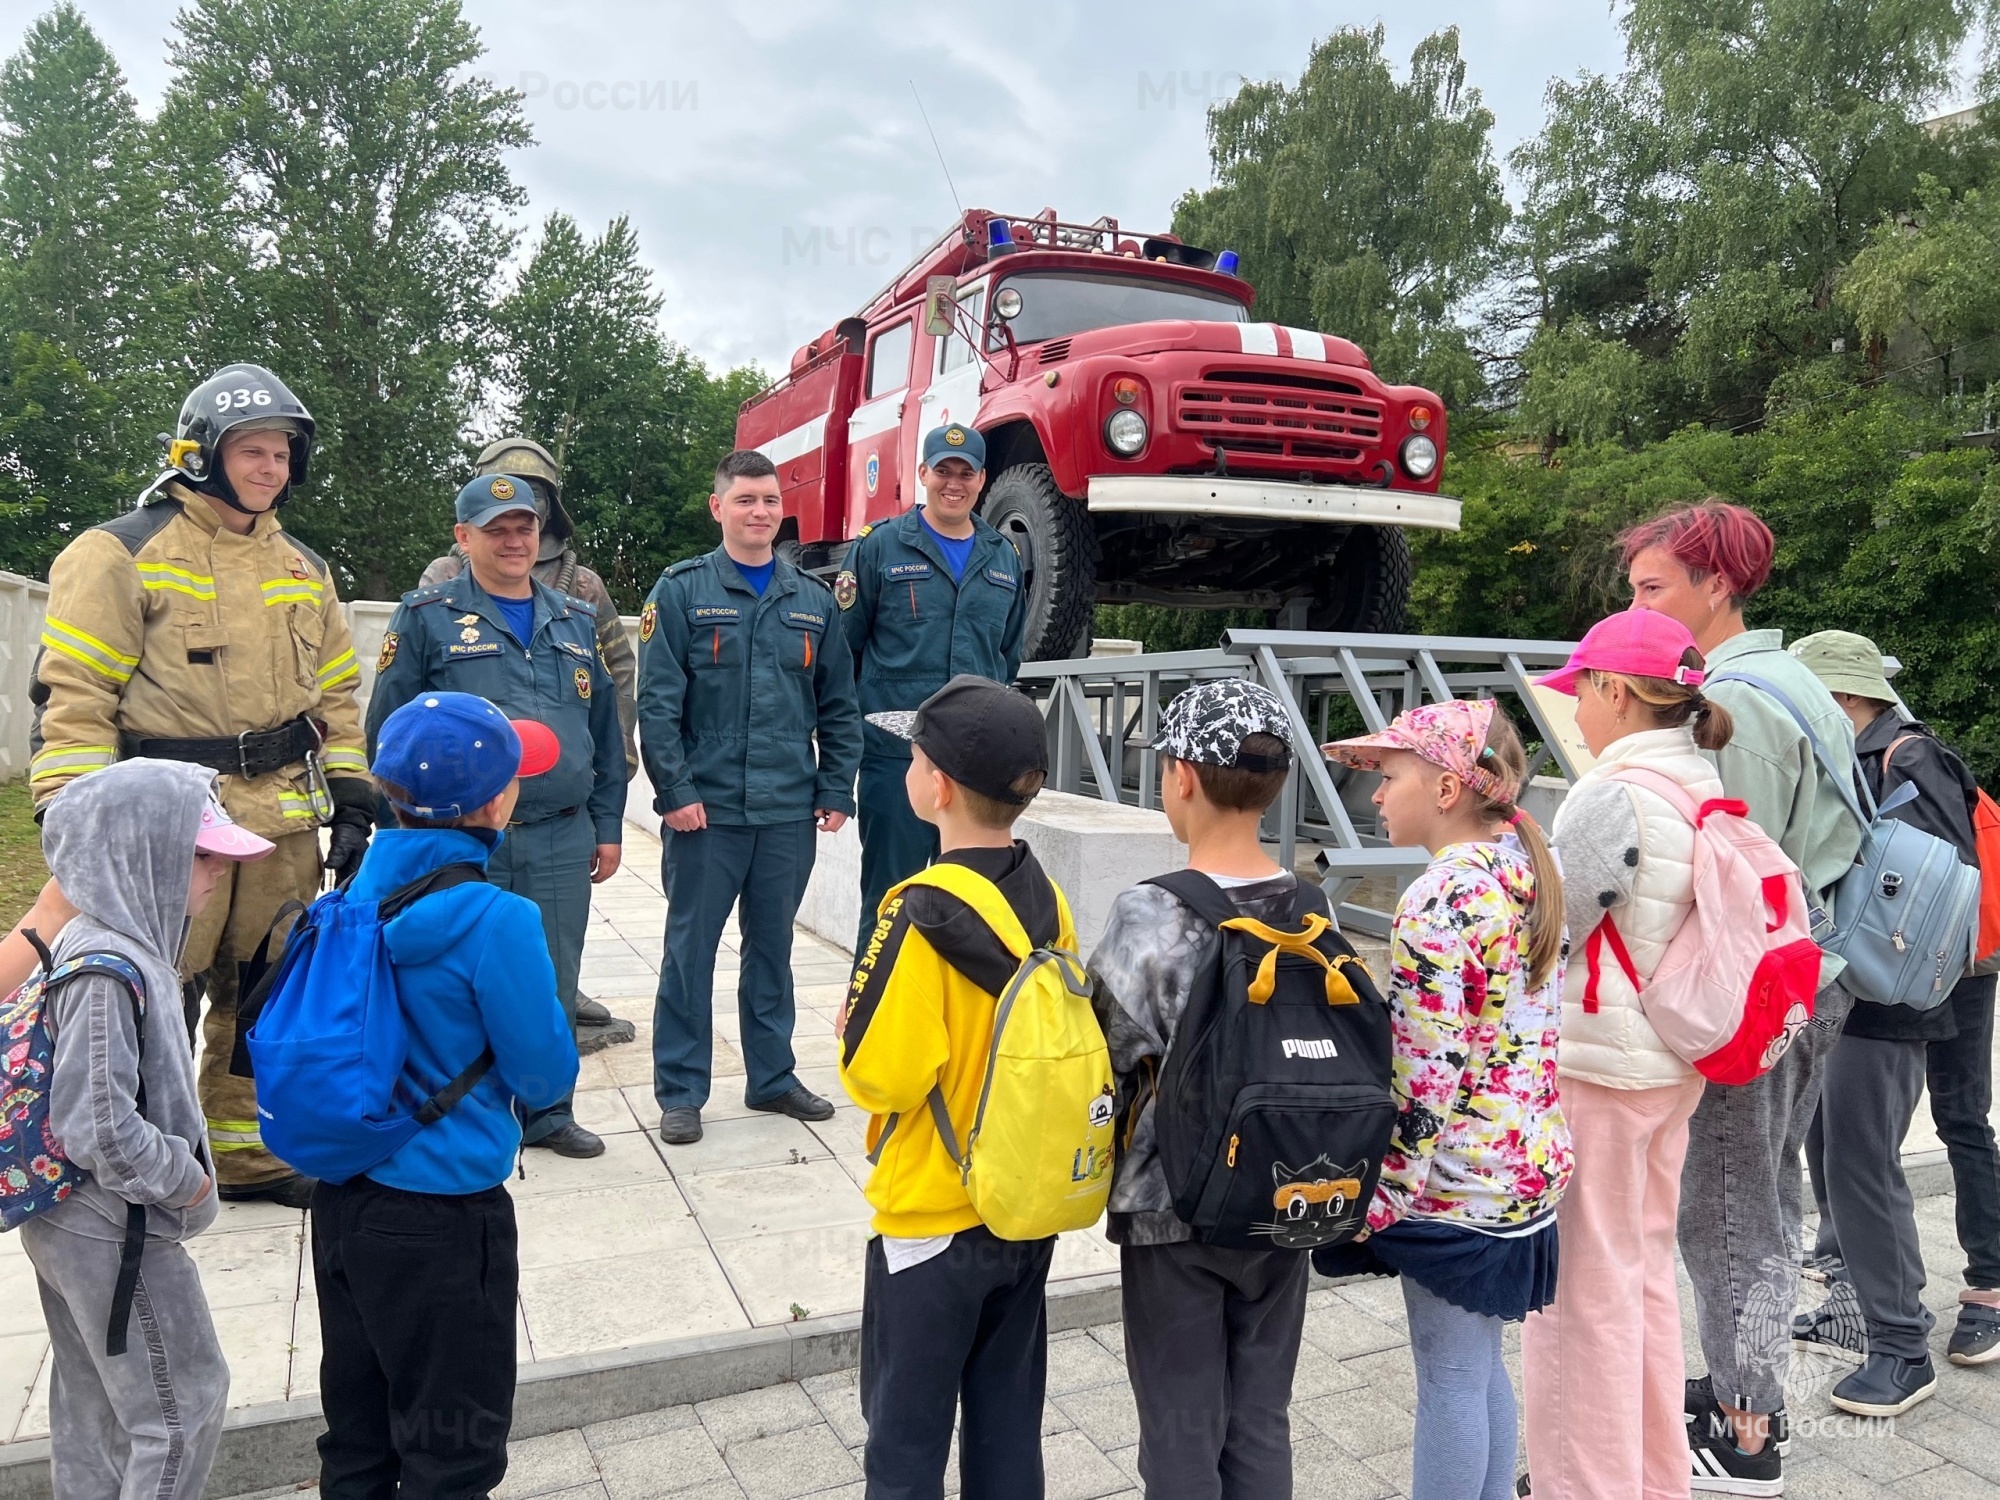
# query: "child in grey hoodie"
138, 848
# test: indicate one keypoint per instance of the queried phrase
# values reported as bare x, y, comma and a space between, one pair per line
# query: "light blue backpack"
1906, 916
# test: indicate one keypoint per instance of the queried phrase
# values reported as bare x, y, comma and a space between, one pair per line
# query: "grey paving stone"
1393, 1467
837, 1394
1055, 1419
1390, 1377
663, 1464
1110, 1338
1873, 1450
1961, 1439
1107, 1414
1321, 1470
1075, 1470
1078, 1361
1127, 1459
1318, 1373
544, 1465
1344, 1330
1813, 1477
788, 1464
755, 1414
602, 1435
1358, 1422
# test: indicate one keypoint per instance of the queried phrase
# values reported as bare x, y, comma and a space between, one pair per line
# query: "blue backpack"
34, 1174
1906, 915
329, 1044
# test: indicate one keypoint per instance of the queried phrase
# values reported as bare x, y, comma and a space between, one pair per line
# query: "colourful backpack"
1731, 992
34, 1174
1036, 1156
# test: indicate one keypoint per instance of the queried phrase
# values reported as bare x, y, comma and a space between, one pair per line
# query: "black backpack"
1274, 1105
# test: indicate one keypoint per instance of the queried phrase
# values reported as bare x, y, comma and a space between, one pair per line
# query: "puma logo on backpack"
1273, 1108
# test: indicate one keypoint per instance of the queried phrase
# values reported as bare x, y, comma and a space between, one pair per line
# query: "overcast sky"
773, 161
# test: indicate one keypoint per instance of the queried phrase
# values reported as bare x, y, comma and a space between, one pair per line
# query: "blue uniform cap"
493, 495
452, 752
954, 441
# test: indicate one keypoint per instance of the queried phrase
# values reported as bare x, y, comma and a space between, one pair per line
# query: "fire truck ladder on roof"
1102, 710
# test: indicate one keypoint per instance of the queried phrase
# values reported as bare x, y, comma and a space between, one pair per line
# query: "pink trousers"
1602, 1365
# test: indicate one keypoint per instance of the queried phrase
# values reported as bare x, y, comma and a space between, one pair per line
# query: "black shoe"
1886, 1386
571, 1140
801, 1104
680, 1126
1834, 1328
590, 1013
1719, 1467
1976, 1339
1700, 1400
295, 1191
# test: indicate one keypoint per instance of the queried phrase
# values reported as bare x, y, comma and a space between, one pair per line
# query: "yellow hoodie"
920, 1014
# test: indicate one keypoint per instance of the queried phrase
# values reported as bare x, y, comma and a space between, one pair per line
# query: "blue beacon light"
999, 238
1226, 262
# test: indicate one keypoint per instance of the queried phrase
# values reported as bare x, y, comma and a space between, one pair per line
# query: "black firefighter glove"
353, 820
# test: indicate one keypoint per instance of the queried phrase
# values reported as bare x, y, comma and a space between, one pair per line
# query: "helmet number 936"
241, 396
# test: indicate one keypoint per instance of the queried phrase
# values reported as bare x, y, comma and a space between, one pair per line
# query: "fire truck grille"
1296, 416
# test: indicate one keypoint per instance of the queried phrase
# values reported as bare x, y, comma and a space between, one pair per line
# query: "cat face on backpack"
1313, 1203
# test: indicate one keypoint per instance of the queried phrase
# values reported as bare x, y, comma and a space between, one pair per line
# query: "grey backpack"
1906, 916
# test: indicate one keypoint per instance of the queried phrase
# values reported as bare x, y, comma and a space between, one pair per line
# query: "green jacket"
452, 636
913, 629
1770, 764
735, 691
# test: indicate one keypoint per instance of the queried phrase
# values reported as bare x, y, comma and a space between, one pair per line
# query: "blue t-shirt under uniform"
957, 550
759, 578
520, 615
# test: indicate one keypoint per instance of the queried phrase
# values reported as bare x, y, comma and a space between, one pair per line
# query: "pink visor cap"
223, 835
1451, 734
1637, 643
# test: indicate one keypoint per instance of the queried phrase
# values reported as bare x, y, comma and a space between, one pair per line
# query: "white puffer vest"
1616, 1046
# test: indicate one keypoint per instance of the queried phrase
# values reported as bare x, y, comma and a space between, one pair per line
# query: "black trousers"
969, 1326
1211, 1340
416, 1317
1960, 1078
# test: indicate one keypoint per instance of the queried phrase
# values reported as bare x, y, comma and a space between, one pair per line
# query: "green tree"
77, 266
1936, 273
635, 421
1361, 205
348, 223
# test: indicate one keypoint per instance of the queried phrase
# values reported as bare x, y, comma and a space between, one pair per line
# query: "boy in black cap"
1211, 1333
947, 1306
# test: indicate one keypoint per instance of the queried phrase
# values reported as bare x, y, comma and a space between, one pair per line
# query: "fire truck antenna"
936, 147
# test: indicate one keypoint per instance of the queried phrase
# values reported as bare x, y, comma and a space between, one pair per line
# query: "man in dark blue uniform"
924, 598
750, 734
493, 630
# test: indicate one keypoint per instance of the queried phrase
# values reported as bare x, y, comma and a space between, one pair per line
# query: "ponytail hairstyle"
1509, 759
1673, 704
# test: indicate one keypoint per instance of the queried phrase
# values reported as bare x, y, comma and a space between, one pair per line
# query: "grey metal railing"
1103, 715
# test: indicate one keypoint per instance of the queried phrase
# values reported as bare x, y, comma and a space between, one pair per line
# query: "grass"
21, 869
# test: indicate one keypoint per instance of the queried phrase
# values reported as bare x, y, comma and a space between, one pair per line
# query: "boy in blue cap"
416, 1262
932, 595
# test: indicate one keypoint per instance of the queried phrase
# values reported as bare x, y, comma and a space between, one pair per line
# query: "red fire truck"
1146, 441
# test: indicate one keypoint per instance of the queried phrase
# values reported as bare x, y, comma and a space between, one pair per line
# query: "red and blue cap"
454, 752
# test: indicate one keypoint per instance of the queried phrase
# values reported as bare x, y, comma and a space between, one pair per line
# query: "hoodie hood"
121, 841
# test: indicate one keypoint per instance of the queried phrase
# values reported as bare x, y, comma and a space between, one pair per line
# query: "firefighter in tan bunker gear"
195, 628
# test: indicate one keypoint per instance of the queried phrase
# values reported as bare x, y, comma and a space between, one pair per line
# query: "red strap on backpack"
1604, 934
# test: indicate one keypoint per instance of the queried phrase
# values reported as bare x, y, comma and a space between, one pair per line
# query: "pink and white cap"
223, 835
1636, 643
1451, 734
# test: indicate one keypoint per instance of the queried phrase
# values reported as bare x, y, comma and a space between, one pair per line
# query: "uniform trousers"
895, 842
145, 1423
1211, 1341
416, 1317
1602, 1366
1959, 1075
762, 873
549, 863
221, 939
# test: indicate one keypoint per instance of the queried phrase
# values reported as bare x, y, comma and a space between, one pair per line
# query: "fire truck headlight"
1420, 456
1125, 432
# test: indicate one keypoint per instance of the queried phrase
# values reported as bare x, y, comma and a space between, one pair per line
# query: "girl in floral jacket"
1465, 1207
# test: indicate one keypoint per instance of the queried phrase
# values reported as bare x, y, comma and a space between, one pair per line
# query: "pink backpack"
1731, 992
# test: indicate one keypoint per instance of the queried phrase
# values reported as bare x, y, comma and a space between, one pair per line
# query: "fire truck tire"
1054, 535
1368, 585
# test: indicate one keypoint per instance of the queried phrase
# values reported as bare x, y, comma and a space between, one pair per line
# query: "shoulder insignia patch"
686, 564
864, 531
583, 683
430, 595
845, 587
389, 643
649, 620
581, 606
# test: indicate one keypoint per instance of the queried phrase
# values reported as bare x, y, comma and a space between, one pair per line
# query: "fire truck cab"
1146, 440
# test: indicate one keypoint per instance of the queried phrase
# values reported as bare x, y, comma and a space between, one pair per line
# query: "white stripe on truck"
800, 441
1306, 344
1258, 338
